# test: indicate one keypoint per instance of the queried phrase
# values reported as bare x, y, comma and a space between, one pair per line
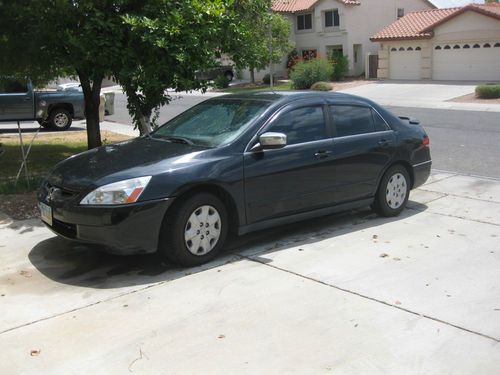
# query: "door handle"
322, 154
384, 143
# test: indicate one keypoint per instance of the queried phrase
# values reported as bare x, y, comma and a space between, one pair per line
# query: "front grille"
64, 229
61, 192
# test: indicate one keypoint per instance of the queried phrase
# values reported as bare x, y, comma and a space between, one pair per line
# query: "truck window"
12, 86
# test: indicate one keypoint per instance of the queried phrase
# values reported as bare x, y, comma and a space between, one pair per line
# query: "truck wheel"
60, 119
229, 75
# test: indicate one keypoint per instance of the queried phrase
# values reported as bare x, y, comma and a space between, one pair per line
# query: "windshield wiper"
178, 140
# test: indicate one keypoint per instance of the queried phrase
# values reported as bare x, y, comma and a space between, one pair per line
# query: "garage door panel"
404, 65
469, 64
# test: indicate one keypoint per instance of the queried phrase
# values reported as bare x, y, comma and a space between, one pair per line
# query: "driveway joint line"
459, 196
375, 300
454, 216
462, 174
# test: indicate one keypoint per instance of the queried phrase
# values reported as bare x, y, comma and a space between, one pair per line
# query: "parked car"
236, 163
213, 73
53, 109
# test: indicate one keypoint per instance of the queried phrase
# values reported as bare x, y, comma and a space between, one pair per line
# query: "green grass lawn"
46, 151
239, 89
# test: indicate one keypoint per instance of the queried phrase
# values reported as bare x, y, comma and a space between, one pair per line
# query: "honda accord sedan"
236, 164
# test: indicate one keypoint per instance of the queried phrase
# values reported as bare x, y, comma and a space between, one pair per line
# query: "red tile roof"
419, 25
294, 6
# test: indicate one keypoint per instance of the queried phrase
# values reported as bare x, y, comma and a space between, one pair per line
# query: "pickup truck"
216, 71
52, 109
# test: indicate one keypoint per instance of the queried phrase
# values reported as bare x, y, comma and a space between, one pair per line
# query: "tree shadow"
90, 266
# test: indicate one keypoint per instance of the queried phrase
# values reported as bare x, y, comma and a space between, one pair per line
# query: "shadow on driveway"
89, 266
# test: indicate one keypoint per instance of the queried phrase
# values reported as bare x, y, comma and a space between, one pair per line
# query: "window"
466, 46
401, 48
380, 124
308, 54
409, 49
332, 18
301, 125
304, 21
437, 47
352, 120
486, 45
476, 46
393, 49
401, 12
497, 45
447, 47
12, 86
418, 49
456, 46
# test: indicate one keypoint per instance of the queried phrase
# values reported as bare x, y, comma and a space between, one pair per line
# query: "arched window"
476, 46
401, 48
497, 45
466, 46
447, 47
437, 47
409, 49
418, 49
393, 49
456, 46
486, 45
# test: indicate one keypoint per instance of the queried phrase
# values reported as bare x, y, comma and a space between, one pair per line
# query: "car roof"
287, 96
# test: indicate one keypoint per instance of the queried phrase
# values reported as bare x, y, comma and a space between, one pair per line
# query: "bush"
490, 91
292, 59
305, 73
340, 66
322, 86
221, 82
266, 80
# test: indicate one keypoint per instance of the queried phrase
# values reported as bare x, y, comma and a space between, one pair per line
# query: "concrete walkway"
349, 294
421, 94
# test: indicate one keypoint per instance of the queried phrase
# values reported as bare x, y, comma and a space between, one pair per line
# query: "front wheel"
393, 192
60, 119
194, 232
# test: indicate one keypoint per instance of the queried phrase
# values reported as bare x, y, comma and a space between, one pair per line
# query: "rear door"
363, 145
16, 100
298, 177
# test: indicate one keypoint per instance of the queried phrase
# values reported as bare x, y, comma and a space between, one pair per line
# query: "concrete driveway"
349, 294
421, 94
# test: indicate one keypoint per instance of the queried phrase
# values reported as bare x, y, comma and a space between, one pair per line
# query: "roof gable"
420, 25
295, 6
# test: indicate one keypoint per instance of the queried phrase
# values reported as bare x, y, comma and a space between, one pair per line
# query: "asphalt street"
461, 141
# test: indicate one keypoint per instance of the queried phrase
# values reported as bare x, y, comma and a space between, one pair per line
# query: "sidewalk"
348, 294
421, 94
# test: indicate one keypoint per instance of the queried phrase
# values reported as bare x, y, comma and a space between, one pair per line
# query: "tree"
147, 45
251, 48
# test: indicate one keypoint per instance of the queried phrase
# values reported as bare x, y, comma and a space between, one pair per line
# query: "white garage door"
404, 63
466, 62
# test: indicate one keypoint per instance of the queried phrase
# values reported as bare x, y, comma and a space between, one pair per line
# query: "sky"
454, 3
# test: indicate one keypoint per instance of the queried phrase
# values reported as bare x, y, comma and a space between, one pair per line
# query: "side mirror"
271, 141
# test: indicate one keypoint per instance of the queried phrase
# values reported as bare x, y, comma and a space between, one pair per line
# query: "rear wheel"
393, 192
229, 75
60, 119
43, 123
194, 232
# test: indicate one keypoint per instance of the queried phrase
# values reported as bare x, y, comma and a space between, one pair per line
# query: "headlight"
122, 192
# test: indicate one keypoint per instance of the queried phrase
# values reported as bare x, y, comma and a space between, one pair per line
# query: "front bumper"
125, 229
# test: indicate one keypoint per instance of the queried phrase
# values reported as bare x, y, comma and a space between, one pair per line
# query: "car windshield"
213, 123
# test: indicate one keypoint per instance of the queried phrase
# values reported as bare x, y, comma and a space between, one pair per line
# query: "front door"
296, 178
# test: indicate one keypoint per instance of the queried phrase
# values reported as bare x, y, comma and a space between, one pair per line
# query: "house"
461, 43
319, 27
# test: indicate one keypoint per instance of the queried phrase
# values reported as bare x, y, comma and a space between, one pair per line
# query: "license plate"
46, 213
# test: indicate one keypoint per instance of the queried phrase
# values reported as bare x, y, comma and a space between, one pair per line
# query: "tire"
181, 223
229, 75
393, 192
60, 119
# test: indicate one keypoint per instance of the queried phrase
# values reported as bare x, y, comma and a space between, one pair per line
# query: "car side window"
11, 86
380, 124
352, 120
301, 125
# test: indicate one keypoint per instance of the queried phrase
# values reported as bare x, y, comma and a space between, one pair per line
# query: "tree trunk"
91, 92
145, 124
252, 75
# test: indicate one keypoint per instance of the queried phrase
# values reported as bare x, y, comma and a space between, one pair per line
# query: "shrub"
322, 86
221, 82
490, 91
266, 80
305, 73
292, 59
340, 66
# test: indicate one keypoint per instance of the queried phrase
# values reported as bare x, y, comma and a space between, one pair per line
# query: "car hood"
120, 161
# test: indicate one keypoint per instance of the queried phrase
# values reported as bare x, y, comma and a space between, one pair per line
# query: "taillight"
426, 141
